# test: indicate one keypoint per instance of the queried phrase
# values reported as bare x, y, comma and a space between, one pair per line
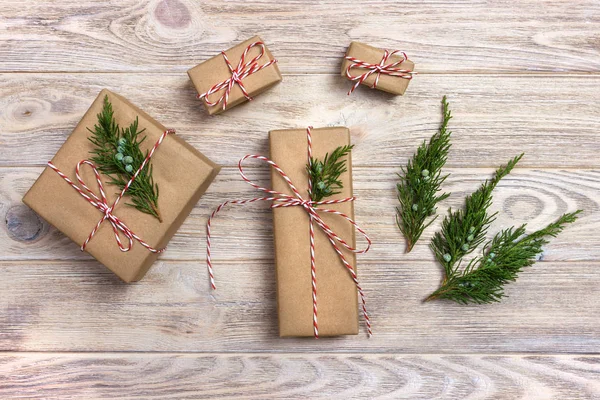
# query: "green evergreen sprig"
325, 174
505, 256
118, 155
465, 229
420, 183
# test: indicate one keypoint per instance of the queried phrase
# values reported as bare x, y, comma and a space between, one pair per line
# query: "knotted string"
101, 203
238, 73
378, 69
312, 208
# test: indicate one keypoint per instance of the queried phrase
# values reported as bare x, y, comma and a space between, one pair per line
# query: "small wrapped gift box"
235, 75
386, 70
336, 291
181, 172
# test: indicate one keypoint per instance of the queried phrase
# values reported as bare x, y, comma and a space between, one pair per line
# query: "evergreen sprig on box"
117, 154
325, 174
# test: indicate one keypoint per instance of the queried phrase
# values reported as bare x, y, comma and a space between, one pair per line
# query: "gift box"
336, 290
386, 70
181, 172
235, 75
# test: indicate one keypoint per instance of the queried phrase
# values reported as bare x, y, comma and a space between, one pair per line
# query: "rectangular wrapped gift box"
373, 55
215, 70
337, 296
182, 173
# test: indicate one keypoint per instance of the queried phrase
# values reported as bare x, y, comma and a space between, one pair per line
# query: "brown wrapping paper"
182, 173
373, 55
336, 292
204, 76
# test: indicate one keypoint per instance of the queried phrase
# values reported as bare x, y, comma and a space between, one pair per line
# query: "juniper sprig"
510, 251
118, 155
325, 174
420, 183
465, 229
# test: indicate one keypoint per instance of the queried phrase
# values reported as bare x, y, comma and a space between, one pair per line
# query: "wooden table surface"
519, 75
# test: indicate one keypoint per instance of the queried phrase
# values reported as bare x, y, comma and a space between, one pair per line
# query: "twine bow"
378, 69
312, 208
101, 203
238, 73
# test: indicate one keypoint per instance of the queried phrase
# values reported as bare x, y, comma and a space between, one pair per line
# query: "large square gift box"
181, 172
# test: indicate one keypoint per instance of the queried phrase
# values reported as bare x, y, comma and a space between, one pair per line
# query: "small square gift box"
315, 243
121, 192
387, 70
235, 76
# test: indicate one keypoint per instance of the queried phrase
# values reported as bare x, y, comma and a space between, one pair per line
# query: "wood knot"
173, 14
26, 110
24, 224
523, 206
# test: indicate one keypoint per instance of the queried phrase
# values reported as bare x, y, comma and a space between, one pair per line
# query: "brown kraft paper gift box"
182, 173
336, 292
373, 55
214, 70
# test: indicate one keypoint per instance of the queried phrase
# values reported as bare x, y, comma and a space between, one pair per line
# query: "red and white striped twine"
101, 203
381, 68
313, 209
238, 73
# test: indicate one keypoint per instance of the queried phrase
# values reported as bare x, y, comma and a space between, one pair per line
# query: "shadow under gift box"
215, 70
337, 298
182, 173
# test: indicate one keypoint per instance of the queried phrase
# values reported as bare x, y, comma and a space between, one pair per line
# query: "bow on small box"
242, 70
312, 208
384, 67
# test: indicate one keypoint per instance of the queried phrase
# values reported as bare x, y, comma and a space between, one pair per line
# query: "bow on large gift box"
317, 283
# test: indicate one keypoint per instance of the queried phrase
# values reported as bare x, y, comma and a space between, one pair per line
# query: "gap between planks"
544, 74
526, 74
202, 261
117, 353
484, 167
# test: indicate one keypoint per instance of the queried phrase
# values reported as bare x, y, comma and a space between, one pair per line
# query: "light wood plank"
536, 197
174, 35
521, 75
495, 117
81, 306
330, 376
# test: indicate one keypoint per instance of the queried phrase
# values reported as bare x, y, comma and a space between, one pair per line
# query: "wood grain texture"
536, 197
330, 376
495, 117
81, 306
306, 36
521, 75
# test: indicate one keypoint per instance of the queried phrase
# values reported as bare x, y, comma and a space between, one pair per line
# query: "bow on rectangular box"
387, 70
75, 198
235, 76
315, 261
